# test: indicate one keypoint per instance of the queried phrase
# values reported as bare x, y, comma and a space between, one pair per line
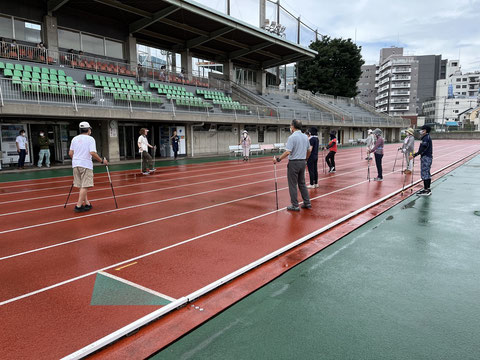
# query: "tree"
335, 70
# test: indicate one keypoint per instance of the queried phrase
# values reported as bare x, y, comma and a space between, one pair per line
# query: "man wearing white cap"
82, 149
370, 143
246, 142
408, 148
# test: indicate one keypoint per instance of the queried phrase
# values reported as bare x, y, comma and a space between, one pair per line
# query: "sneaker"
88, 207
146, 173
293, 208
377, 179
48, 166
79, 209
316, 185
306, 206
424, 192
152, 171
39, 166
332, 170
311, 186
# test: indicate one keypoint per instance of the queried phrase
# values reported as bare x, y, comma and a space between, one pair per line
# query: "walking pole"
395, 162
323, 159
276, 186
71, 187
361, 152
403, 160
154, 153
111, 185
141, 162
413, 173
368, 169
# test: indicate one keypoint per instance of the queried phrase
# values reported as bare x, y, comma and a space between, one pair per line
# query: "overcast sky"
421, 27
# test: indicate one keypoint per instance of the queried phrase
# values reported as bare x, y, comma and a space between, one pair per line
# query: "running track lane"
227, 250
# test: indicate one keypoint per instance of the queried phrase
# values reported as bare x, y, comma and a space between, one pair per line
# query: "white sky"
450, 28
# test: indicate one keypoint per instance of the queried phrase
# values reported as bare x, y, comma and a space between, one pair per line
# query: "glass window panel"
68, 39
307, 35
28, 31
6, 27
245, 10
291, 25
114, 49
92, 45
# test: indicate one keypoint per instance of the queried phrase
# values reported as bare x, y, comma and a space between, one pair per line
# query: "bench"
279, 146
267, 147
236, 149
255, 148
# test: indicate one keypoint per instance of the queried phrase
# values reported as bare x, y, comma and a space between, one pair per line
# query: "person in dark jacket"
378, 151
426, 152
332, 146
44, 149
175, 142
312, 161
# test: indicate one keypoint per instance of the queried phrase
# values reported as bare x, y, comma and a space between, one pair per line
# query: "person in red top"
332, 146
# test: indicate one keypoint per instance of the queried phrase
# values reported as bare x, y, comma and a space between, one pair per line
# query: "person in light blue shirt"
298, 150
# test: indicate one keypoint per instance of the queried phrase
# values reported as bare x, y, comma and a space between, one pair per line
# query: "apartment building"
366, 84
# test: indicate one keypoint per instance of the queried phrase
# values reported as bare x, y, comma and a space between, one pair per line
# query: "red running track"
183, 228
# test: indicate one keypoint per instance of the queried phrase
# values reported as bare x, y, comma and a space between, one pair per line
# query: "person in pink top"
378, 151
246, 142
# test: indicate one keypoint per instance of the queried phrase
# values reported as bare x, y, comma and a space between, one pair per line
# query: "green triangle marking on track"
108, 291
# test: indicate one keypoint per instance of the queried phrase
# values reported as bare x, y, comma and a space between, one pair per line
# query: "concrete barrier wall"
456, 135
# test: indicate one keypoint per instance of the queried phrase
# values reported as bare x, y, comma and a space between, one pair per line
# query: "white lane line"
162, 189
108, 339
138, 286
201, 236
155, 202
153, 182
118, 186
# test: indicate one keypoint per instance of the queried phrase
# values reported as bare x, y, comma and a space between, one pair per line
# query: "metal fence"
80, 96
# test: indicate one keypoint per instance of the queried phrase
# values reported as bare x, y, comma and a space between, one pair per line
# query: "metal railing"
80, 96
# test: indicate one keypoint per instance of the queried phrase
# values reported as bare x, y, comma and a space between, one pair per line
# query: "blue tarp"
451, 123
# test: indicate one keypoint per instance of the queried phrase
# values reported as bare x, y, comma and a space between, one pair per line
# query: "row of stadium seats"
27, 54
32, 69
101, 66
234, 107
193, 102
95, 77
140, 98
48, 89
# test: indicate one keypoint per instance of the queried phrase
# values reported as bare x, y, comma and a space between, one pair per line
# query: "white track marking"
150, 291
155, 190
153, 182
195, 294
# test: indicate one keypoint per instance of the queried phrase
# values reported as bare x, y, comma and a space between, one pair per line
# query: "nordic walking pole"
323, 159
403, 160
413, 173
111, 185
154, 153
276, 186
71, 187
141, 162
368, 169
361, 152
395, 162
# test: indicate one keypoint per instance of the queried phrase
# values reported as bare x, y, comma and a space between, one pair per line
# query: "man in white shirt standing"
143, 146
82, 149
22, 149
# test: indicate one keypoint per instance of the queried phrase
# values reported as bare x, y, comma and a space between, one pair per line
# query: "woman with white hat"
408, 149
378, 152
370, 143
245, 142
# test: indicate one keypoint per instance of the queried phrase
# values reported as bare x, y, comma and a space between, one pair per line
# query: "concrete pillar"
110, 143
50, 32
261, 82
174, 62
189, 140
228, 71
131, 50
186, 59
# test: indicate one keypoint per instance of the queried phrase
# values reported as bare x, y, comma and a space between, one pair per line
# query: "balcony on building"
400, 100
399, 108
381, 96
402, 69
401, 85
401, 93
401, 77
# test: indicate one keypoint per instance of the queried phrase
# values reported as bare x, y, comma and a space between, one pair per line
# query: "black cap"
313, 131
333, 132
427, 128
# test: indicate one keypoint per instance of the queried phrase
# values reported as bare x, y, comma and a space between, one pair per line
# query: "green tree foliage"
335, 70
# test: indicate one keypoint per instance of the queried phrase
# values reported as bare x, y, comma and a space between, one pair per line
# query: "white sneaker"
310, 186
333, 170
145, 173
39, 166
378, 179
316, 185
152, 170
48, 166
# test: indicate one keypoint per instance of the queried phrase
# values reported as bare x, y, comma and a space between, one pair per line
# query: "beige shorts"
82, 177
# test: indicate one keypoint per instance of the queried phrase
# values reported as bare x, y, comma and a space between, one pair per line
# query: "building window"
6, 29
27, 31
68, 39
92, 45
114, 49
464, 86
458, 87
464, 79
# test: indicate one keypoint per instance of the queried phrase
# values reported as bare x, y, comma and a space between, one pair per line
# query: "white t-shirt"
82, 146
22, 142
143, 142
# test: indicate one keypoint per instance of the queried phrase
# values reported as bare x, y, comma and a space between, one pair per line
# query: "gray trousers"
296, 176
147, 162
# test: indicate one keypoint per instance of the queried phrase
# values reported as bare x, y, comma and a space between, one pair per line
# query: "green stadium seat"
88, 77
53, 77
61, 72
7, 73
53, 71
115, 80
16, 80
53, 82
120, 80
45, 76
62, 78
9, 66
108, 79
95, 77
36, 69
27, 74
110, 84
54, 89
45, 70
101, 78
2, 65
69, 79
19, 67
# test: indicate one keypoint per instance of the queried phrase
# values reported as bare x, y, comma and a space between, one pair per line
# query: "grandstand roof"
177, 25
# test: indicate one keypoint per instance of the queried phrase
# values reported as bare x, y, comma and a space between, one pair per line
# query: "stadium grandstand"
62, 62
